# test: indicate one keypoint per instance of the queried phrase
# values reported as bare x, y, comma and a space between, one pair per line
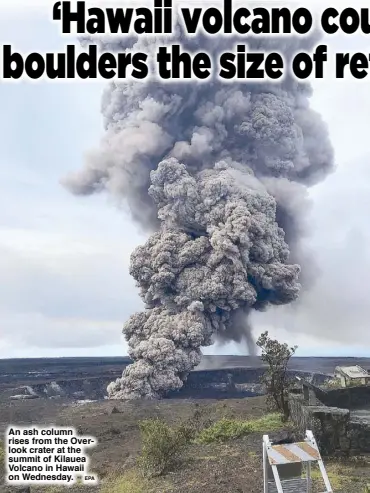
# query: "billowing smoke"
217, 172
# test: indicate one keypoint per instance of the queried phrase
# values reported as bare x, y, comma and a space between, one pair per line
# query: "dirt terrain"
231, 466
234, 466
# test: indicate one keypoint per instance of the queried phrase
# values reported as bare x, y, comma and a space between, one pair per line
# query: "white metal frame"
278, 484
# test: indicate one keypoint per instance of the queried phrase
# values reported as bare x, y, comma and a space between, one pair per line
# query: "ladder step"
297, 485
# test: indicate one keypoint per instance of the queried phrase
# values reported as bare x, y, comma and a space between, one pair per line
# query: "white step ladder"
288, 458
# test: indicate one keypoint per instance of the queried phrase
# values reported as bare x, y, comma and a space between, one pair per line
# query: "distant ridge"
94, 365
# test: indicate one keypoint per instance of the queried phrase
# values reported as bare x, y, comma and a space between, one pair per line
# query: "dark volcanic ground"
231, 467
32, 370
87, 378
309, 363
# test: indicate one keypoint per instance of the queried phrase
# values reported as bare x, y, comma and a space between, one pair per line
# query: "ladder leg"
325, 476
308, 471
265, 466
277, 479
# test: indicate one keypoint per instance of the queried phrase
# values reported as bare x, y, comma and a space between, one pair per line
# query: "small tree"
276, 379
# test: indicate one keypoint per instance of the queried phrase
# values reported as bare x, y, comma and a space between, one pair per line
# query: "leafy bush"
162, 445
227, 429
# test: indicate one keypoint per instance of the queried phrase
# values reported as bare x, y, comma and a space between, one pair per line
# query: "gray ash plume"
217, 173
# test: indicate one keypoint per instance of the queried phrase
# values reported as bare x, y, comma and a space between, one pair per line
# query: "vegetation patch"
228, 429
130, 482
340, 477
78, 487
162, 445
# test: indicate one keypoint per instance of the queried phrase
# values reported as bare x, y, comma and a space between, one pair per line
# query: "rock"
114, 410
22, 397
285, 440
344, 443
78, 394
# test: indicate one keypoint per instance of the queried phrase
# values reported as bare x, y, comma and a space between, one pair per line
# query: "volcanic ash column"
218, 251
217, 171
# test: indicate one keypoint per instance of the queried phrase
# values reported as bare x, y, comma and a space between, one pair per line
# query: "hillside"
232, 466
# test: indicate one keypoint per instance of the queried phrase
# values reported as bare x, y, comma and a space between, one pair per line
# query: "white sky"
65, 287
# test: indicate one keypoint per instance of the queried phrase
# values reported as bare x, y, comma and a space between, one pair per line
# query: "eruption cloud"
218, 174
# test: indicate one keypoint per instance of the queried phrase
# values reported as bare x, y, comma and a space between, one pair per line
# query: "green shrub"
223, 430
269, 422
162, 445
227, 429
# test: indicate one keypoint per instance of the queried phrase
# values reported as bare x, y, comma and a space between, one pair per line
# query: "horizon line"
203, 356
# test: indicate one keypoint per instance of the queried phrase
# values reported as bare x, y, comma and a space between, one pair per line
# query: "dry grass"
130, 482
2, 453
342, 477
